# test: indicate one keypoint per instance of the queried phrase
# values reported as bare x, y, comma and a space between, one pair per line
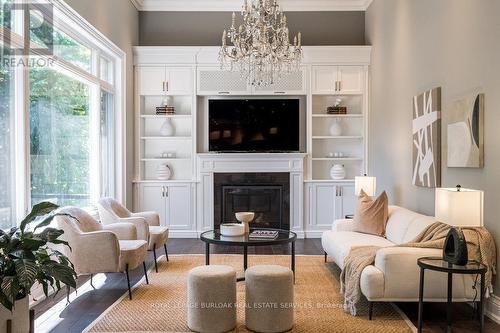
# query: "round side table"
439, 265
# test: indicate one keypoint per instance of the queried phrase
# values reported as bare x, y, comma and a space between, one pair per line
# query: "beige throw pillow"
371, 215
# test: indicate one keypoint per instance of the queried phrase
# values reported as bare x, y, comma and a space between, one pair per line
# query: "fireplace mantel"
210, 163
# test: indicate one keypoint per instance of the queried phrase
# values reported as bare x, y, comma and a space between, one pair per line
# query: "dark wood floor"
87, 307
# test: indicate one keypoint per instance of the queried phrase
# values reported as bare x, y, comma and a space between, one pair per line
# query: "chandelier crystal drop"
261, 48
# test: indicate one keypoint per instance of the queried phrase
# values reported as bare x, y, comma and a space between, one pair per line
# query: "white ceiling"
235, 5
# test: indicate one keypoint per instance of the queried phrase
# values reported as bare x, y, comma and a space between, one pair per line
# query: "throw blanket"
480, 247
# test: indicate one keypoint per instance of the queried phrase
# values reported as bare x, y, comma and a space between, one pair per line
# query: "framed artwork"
426, 143
466, 132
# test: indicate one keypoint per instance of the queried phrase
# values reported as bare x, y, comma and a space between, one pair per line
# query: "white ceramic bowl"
232, 229
245, 217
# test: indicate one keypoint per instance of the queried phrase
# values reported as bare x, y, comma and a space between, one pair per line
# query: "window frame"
69, 22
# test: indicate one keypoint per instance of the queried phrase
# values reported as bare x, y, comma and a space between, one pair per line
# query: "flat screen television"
254, 125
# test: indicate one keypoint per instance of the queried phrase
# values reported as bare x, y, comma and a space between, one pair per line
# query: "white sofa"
395, 275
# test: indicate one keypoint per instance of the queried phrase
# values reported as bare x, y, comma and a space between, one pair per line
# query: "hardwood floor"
88, 306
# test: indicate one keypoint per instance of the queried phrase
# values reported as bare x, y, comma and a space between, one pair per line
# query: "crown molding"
235, 5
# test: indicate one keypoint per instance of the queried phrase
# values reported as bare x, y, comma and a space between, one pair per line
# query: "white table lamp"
365, 183
458, 207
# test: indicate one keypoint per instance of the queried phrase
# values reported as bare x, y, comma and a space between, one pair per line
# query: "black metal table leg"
207, 254
421, 300
293, 260
481, 305
449, 303
245, 258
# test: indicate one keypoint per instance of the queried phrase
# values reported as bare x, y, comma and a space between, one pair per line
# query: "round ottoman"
269, 298
212, 299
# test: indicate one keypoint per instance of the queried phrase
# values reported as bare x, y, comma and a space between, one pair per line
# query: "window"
59, 136
60, 126
6, 148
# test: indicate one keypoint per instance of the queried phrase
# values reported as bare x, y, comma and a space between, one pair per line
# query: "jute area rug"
161, 305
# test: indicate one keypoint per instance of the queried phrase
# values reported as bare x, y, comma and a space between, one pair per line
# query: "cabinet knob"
279, 92
223, 92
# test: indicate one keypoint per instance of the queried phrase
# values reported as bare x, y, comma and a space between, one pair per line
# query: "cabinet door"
322, 205
351, 79
151, 198
293, 83
214, 81
179, 81
346, 201
178, 207
151, 80
324, 79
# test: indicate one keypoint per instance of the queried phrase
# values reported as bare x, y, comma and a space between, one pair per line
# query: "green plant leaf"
5, 301
10, 288
49, 234
26, 271
61, 273
40, 209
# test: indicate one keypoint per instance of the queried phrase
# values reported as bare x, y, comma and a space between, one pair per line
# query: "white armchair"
96, 248
148, 224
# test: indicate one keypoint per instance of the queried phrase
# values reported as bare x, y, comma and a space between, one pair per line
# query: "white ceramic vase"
20, 317
163, 172
337, 172
167, 129
336, 128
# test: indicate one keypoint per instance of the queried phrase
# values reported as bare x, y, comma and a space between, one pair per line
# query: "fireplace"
266, 194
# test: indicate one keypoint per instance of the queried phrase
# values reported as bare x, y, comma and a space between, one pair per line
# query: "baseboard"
183, 234
312, 234
492, 308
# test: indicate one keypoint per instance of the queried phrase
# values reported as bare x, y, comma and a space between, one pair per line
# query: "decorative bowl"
232, 229
245, 217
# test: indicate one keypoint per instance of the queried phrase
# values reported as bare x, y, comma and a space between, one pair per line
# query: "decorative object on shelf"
466, 133
337, 172
232, 229
365, 183
168, 155
339, 154
245, 218
163, 172
167, 129
337, 108
165, 110
166, 101
336, 128
426, 143
261, 48
460, 208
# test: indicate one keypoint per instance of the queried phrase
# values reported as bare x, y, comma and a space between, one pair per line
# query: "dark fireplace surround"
266, 194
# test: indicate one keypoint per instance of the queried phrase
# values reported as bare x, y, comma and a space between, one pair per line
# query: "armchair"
101, 249
148, 224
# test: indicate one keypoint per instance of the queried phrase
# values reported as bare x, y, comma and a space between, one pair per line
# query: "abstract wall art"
427, 139
466, 132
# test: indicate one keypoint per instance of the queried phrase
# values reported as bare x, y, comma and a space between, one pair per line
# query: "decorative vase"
337, 172
167, 129
167, 101
20, 317
245, 218
163, 172
336, 128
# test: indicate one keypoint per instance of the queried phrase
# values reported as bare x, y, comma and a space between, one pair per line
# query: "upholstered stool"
269, 298
212, 299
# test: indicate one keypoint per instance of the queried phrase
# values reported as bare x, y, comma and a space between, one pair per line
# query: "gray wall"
205, 28
118, 20
422, 44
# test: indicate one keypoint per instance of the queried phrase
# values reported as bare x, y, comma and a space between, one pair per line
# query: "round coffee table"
214, 237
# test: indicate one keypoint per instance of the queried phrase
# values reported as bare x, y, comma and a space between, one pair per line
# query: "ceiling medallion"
260, 47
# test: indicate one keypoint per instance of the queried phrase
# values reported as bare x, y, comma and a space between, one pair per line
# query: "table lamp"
458, 207
365, 183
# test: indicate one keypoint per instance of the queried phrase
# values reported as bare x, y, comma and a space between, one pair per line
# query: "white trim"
235, 5
492, 308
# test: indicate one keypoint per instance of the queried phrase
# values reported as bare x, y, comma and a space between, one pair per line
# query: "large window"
60, 118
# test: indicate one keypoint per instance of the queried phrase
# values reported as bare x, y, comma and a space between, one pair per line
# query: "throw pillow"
371, 215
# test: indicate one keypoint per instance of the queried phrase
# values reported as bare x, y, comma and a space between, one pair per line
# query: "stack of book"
165, 110
336, 110
263, 234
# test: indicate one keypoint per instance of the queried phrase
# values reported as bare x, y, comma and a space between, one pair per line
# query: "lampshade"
459, 207
365, 183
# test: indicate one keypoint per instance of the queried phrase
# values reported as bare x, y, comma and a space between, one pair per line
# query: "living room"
249, 166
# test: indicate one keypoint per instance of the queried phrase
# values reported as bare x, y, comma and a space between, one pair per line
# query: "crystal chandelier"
261, 48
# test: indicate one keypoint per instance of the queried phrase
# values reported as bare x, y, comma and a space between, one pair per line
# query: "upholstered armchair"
97, 248
111, 212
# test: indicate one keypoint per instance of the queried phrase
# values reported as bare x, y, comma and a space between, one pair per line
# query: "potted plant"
27, 258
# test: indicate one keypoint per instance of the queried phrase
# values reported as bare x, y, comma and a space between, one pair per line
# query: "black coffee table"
214, 237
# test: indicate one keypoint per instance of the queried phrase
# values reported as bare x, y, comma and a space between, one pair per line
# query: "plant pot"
20, 317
